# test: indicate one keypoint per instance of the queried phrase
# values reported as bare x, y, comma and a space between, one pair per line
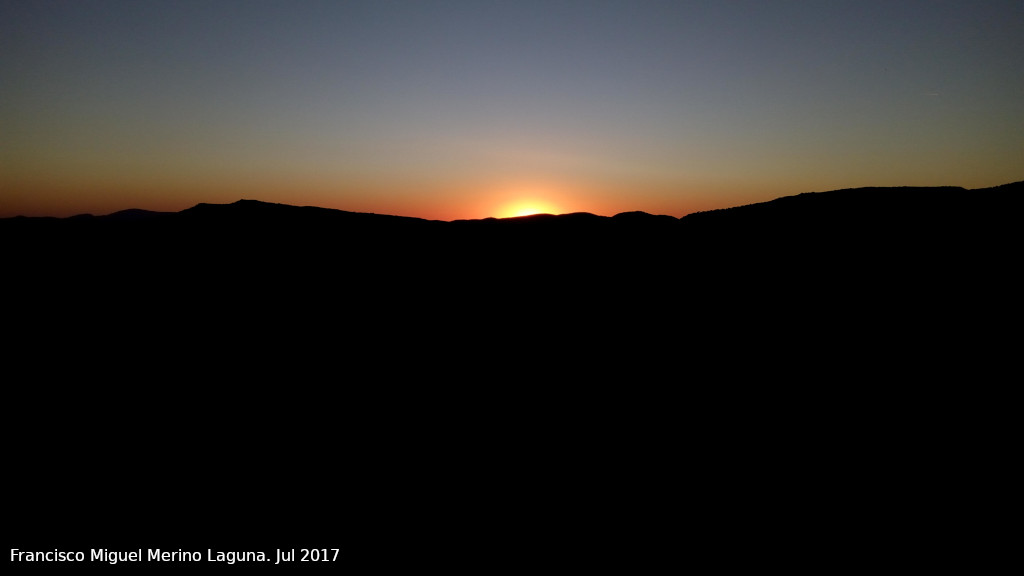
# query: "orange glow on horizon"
526, 208
520, 197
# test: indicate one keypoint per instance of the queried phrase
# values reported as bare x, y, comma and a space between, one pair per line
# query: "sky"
449, 109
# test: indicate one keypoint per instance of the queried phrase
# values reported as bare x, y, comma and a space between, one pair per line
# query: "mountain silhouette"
549, 378
907, 207
857, 232
816, 262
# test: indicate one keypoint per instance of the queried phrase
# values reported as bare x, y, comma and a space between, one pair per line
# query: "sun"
527, 208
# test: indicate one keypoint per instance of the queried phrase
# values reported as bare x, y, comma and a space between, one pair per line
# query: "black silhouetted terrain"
546, 385
270, 264
863, 215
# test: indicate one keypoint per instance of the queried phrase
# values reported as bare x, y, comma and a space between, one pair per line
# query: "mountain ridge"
801, 230
254, 207
769, 289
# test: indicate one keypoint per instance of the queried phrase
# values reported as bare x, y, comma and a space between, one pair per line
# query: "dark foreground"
777, 384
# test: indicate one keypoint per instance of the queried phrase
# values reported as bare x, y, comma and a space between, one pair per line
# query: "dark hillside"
569, 383
868, 235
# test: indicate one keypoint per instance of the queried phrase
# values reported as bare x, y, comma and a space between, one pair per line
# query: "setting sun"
526, 208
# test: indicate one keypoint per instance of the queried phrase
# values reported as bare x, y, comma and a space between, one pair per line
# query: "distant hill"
905, 207
863, 204
834, 348
854, 232
795, 240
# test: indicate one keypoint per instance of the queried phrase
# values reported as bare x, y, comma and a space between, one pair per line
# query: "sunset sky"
449, 109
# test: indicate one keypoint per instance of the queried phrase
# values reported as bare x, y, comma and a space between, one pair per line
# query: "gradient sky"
450, 109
